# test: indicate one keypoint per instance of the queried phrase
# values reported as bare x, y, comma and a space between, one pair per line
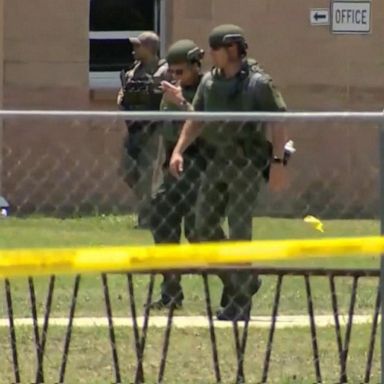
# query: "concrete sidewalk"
194, 321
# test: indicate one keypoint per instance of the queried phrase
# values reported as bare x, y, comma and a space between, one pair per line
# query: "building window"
112, 23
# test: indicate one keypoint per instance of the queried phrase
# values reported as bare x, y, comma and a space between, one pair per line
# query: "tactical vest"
229, 95
143, 92
233, 95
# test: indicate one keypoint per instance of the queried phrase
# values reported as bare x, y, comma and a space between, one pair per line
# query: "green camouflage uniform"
241, 153
142, 147
175, 199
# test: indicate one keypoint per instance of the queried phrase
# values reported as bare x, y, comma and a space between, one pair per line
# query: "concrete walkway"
195, 321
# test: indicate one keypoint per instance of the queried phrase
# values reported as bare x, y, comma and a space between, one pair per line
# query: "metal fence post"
1, 86
381, 149
163, 26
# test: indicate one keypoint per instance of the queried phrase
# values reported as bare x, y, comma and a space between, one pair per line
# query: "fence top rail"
367, 117
272, 271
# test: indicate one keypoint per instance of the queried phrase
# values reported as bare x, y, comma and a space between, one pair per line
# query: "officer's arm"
120, 94
192, 129
271, 101
190, 132
120, 97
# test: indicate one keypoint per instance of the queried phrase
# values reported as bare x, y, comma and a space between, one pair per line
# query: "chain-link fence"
75, 180
73, 166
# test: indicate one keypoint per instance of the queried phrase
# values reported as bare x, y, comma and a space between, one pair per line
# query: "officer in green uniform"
241, 155
176, 197
141, 91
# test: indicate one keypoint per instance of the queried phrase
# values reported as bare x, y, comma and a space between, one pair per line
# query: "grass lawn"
118, 230
111, 230
190, 351
190, 359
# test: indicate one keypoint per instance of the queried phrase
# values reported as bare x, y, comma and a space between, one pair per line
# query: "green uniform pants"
140, 165
233, 184
174, 202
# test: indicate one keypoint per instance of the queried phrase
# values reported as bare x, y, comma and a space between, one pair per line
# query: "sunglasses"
177, 72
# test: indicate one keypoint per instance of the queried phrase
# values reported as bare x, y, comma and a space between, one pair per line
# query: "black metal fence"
140, 337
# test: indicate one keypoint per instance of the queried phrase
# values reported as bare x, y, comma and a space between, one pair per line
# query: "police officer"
175, 199
241, 154
141, 91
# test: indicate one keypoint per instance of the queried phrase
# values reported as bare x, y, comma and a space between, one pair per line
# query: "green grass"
118, 230
190, 354
48, 232
190, 358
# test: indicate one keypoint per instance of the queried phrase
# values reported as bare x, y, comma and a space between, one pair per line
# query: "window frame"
111, 79
107, 79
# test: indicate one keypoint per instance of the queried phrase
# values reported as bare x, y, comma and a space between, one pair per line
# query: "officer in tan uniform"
241, 155
173, 204
141, 91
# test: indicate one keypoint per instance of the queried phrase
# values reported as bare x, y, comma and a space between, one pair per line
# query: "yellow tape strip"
32, 262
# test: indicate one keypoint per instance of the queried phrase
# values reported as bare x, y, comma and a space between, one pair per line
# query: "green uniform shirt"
250, 90
171, 130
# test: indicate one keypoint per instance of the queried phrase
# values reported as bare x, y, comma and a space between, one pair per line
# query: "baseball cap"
148, 38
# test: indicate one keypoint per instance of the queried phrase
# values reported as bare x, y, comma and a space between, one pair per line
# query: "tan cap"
148, 38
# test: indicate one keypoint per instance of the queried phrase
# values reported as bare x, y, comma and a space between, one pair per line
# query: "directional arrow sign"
319, 16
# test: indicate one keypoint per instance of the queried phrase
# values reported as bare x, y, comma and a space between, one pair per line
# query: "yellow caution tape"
32, 262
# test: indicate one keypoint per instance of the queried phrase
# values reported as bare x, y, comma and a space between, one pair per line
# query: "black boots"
171, 293
236, 299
